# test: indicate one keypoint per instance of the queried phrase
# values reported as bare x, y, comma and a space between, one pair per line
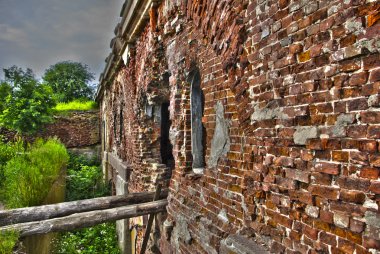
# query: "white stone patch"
302, 134
341, 220
369, 203
333, 9
223, 216
312, 211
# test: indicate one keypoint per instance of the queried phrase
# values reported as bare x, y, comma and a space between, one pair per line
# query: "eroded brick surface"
75, 130
299, 84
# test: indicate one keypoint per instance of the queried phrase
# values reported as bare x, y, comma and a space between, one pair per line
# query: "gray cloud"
39, 33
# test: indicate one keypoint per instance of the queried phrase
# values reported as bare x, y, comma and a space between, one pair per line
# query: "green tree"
25, 104
69, 81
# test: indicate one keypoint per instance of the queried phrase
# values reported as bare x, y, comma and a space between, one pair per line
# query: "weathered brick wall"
295, 84
76, 129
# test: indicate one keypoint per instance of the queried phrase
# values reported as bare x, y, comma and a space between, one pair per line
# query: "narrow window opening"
197, 130
166, 148
121, 124
104, 135
114, 124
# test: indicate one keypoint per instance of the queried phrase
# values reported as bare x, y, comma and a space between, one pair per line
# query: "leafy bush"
29, 175
25, 104
76, 105
8, 241
85, 181
97, 239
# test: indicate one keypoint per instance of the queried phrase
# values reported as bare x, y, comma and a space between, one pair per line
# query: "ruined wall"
75, 130
291, 117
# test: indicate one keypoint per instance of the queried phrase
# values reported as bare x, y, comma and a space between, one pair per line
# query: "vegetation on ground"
25, 104
30, 171
70, 81
76, 105
8, 241
84, 180
97, 239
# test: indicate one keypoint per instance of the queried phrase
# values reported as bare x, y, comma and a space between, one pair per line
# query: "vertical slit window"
197, 131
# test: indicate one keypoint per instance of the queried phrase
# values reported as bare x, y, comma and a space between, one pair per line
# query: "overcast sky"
39, 33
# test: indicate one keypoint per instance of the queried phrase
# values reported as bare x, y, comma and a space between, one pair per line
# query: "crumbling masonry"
262, 118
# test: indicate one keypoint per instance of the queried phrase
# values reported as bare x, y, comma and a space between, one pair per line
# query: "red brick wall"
299, 84
76, 129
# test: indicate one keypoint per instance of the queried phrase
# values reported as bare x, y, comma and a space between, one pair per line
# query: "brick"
277, 247
375, 187
357, 197
304, 56
283, 3
346, 246
371, 243
348, 40
370, 173
373, 132
325, 192
358, 79
328, 239
353, 183
349, 66
371, 62
327, 216
374, 75
373, 18
340, 156
310, 232
321, 178
359, 157
356, 226
370, 117
368, 146
357, 131
298, 175
302, 196
358, 104
327, 168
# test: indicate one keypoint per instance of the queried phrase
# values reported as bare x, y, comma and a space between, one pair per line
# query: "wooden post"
150, 221
86, 219
37, 213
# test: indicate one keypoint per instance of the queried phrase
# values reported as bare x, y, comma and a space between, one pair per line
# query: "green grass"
76, 105
29, 175
8, 241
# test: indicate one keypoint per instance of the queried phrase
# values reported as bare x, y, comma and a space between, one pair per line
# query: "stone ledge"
239, 244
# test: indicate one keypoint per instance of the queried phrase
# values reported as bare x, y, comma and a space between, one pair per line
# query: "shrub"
97, 239
84, 181
29, 175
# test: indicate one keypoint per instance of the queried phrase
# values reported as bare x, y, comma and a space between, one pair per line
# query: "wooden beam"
150, 222
37, 213
87, 219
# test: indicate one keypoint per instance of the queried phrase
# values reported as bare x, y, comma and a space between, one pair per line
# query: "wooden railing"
80, 214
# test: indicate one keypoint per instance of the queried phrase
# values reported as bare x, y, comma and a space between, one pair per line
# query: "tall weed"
29, 175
